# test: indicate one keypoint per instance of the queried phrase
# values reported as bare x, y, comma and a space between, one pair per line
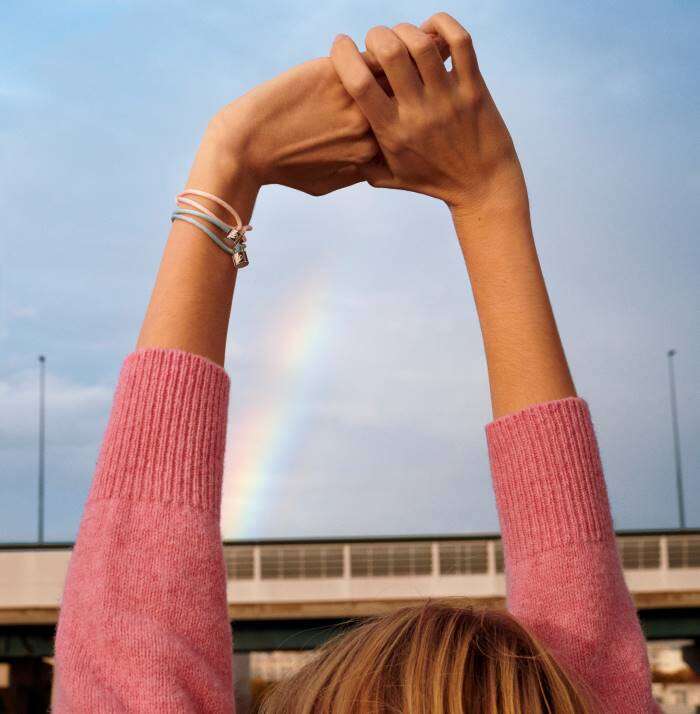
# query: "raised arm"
441, 135
144, 622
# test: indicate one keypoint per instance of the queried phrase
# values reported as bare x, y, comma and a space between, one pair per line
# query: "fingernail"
338, 37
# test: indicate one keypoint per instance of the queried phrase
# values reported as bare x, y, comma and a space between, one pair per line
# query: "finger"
376, 69
383, 82
360, 83
459, 41
443, 47
396, 62
372, 62
424, 52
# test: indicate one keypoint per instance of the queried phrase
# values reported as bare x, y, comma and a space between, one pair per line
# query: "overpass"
294, 594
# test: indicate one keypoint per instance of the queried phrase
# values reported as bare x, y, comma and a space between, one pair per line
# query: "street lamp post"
42, 442
676, 439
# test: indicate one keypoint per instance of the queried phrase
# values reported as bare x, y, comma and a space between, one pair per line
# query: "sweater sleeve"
564, 580
144, 624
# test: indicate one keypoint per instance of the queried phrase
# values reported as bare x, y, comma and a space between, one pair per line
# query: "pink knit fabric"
144, 621
564, 578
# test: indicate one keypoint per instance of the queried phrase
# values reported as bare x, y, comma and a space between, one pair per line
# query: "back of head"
439, 658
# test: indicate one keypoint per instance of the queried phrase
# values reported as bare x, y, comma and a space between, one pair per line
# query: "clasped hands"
393, 116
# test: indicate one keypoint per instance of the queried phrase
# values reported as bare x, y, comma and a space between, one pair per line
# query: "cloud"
75, 412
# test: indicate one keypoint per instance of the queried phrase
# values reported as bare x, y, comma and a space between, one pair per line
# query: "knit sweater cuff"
167, 431
548, 477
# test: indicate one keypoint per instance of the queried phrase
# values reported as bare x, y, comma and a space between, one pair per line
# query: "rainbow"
262, 440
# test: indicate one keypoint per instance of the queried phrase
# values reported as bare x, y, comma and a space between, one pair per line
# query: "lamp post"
42, 408
676, 439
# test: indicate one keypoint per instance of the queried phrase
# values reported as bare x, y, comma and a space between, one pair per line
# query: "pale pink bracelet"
180, 198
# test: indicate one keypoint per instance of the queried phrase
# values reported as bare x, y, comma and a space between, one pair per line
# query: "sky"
359, 392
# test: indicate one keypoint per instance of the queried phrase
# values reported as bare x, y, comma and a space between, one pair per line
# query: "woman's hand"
300, 129
440, 133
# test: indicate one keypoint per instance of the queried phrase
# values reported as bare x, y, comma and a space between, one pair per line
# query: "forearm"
148, 561
144, 623
548, 478
524, 354
191, 300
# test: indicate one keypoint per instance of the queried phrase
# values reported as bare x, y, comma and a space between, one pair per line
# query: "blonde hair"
438, 658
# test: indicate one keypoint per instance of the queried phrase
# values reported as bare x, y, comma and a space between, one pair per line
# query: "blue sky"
375, 425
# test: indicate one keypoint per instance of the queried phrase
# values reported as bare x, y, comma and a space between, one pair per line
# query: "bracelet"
232, 233
236, 248
219, 201
233, 251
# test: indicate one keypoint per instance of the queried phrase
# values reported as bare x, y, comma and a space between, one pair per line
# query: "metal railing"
429, 557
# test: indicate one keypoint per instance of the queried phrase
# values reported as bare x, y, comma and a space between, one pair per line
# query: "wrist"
501, 191
232, 134
492, 213
221, 169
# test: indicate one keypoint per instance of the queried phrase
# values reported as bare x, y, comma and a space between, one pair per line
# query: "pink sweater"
144, 622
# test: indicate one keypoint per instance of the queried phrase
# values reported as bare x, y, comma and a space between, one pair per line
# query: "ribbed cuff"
167, 431
548, 477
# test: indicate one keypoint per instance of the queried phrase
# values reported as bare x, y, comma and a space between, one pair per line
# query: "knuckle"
442, 17
374, 33
461, 39
422, 45
389, 50
395, 142
358, 84
472, 96
446, 17
358, 124
365, 151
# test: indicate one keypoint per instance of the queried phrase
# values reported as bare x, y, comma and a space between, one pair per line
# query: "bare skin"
300, 129
441, 134
416, 127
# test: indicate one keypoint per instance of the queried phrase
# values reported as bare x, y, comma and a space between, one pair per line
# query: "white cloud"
75, 413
